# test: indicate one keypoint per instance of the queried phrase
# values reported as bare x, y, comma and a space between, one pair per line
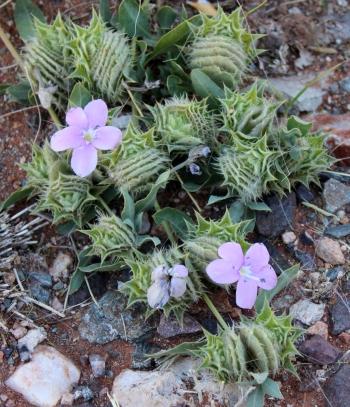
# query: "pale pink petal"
158, 294
178, 270
159, 273
77, 117
177, 287
257, 257
106, 138
97, 113
268, 278
84, 160
69, 137
232, 252
222, 272
246, 293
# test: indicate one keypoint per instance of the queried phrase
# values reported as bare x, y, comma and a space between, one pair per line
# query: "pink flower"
251, 270
166, 283
86, 133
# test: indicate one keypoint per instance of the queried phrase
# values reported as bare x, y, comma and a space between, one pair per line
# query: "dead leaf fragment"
204, 6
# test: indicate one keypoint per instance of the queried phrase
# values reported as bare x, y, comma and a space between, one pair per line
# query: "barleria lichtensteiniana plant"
195, 127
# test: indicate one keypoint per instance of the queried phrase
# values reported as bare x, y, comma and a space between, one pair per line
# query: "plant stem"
216, 313
193, 199
166, 225
54, 117
105, 206
11, 48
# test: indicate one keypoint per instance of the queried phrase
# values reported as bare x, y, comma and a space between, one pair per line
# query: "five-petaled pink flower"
86, 133
251, 270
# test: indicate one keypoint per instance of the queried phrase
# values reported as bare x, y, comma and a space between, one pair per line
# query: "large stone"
335, 194
290, 86
337, 388
329, 250
307, 312
44, 380
272, 224
169, 327
318, 351
340, 316
110, 320
169, 387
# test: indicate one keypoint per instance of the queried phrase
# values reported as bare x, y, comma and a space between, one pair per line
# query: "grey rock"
283, 303
110, 320
345, 84
329, 250
337, 388
332, 274
319, 351
43, 279
336, 195
336, 28
272, 224
306, 259
98, 364
169, 387
304, 194
140, 359
170, 327
307, 312
83, 392
122, 121
290, 86
340, 316
338, 231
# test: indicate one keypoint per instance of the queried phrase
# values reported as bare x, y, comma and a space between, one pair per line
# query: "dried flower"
166, 283
86, 133
251, 271
195, 169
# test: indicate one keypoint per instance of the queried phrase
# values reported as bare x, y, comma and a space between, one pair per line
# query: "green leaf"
79, 96
133, 18
25, 11
148, 202
204, 86
286, 277
76, 281
272, 388
15, 197
105, 11
218, 198
105, 266
260, 377
237, 211
178, 220
128, 211
140, 240
21, 92
3, 88
66, 228
258, 206
166, 17
296, 122
173, 37
256, 398
175, 85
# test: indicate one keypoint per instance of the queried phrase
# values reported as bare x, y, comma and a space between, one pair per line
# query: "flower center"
89, 136
246, 272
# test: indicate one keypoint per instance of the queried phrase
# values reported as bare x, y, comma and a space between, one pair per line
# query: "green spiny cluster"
182, 124
66, 196
63, 52
110, 237
206, 237
137, 163
247, 115
262, 345
141, 270
223, 47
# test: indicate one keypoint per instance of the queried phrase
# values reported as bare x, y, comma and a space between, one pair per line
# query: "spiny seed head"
182, 124
247, 115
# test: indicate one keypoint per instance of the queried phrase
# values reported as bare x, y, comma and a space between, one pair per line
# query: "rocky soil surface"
88, 350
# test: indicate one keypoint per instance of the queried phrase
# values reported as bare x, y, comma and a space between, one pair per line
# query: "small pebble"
288, 237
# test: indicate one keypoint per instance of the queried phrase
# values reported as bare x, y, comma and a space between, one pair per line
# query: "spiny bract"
222, 47
182, 124
137, 163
